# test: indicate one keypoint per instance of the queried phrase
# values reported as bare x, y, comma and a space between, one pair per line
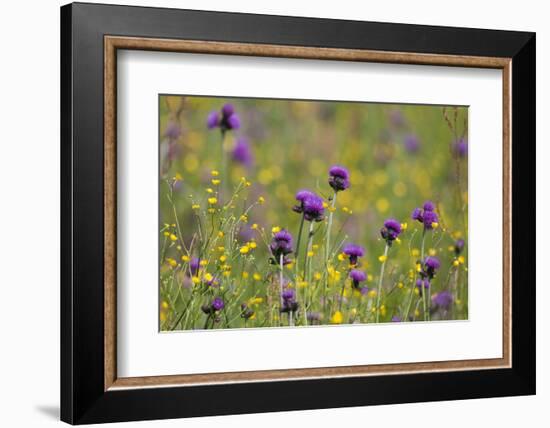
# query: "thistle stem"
422, 286
329, 227
281, 262
223, 169
297, 251
307, 267
379, 289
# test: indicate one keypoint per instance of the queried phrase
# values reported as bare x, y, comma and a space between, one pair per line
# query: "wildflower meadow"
278, 213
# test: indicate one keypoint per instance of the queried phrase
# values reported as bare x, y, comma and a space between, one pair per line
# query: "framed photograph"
291, 213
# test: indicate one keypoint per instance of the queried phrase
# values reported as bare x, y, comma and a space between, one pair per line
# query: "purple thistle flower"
412, 144
314, 317
429, 206
442, 300
426, 215
430, 217
228, 120
301, 196
395, 318
194, 265
422, 284
459, 246
289, 301
217, 304
313, 208
461, 148
353, 251
242, 152
213, 120
391, 230
281, 244
417, 215
338, 178
357, 276
172, 131
431, 265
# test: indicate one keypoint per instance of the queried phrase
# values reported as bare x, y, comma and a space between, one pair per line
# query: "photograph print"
299, 213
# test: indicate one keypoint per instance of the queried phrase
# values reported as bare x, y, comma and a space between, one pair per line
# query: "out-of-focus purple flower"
313, 208
426, 215
314, 317
173, 130
431, 265
242, 152
217, 304
429, 206
226, 120
443, 299
289, 301
246, 312
353, 251
338, 178
357, 276
459, 246
213, 120
397, 119
391, 230
422, 284
461, 148
281, 244
412, 144
395, 318
194, 265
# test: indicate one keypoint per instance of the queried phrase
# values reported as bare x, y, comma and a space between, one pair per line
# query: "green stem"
379, 289
421, 264
307, 266
329, 227
223, 169
298, 243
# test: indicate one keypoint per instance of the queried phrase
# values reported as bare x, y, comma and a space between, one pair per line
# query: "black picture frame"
83, 398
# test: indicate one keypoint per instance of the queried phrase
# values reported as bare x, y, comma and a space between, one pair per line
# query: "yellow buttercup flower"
185, 258
173, 237
223, 259
257, 276
382, 258
337, 318
254, 226
171, 262
275, 229
252, 244
214, 173
212, 201
195, 206
261, 200
215, 181
244, 249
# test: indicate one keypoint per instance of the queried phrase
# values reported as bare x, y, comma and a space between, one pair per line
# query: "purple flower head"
246, 312
395, 318
431, 265
217, 304
397, 119
281, 244
442, 300
227, 120
314, 317
228, 110
422, 284
194, 265
242, 152
289, 301
353, 251
391, 230
459, 246
429, 206
426, 215
430, 217
172, 131
357, 276
288, 294
338, 178
412, 144
313, 208
461, 148
213, 120
417, 215
301, 196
